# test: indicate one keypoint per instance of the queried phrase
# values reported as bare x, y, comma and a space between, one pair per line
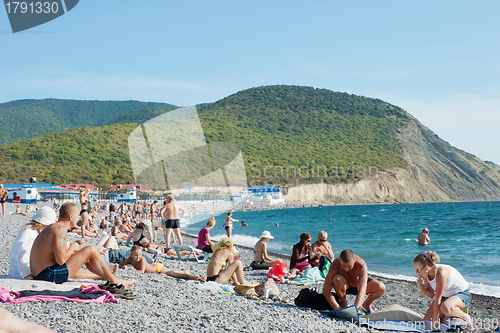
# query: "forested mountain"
301, 138
23, 119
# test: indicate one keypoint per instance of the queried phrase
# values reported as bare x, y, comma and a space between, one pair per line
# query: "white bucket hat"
266, 234
45, 216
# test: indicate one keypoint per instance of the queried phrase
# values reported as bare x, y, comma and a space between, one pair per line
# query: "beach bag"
255, 265
308, 298
278, 271
325, 268
267, 289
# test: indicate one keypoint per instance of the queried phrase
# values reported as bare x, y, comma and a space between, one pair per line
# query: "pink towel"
100, 296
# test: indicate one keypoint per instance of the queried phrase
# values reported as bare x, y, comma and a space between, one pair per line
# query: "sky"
438, 60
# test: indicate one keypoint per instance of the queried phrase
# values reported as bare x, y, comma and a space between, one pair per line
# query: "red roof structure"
76, 187
137, 187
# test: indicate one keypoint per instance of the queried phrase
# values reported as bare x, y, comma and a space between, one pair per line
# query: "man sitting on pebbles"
52, 260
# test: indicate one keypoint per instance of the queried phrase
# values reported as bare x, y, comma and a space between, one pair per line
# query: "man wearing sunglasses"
323, 248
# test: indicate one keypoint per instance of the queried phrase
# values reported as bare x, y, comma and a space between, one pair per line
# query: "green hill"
331, 136
285, 128
29, 118
140, 116
89, 154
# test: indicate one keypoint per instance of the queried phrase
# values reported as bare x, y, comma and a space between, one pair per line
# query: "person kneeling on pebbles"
137, 260
52, 260
348, 274
225, 264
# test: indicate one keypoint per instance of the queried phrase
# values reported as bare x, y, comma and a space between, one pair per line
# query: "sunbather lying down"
10, 323
110, 242
142, 266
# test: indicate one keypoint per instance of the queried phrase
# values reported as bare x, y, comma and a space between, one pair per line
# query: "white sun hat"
45, 216
266, 234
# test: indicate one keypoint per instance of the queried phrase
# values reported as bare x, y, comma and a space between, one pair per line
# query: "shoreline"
166, 304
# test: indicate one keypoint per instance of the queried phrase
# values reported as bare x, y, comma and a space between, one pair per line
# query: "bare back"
218, 258
260, 251
3, 193
172, 211
45, 246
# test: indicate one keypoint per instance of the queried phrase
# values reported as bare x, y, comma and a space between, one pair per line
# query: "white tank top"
455, 284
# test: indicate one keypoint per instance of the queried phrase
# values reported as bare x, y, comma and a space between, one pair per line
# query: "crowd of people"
41, 251
347, 274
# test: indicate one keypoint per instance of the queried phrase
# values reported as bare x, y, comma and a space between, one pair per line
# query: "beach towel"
310, 275
400, 325
84, 295
215, 287
350, 314
398, 318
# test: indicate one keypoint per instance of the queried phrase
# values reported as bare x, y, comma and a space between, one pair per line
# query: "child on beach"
444, 285
139, 263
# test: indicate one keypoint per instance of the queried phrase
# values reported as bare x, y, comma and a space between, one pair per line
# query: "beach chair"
194, 251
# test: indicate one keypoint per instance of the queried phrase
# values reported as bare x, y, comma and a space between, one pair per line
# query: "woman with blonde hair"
225, 264
204, 242
444, 285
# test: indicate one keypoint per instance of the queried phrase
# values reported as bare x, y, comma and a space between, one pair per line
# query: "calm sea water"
465, 235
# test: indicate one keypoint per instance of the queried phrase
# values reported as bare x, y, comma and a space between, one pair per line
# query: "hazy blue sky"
439, 60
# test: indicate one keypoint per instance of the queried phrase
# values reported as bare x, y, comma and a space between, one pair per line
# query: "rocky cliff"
436, 172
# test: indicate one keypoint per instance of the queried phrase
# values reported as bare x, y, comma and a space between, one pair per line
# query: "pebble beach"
165, 304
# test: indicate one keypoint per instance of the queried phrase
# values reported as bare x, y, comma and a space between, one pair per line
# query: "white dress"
19, 257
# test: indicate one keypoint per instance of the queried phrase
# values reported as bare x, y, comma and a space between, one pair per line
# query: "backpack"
308, 298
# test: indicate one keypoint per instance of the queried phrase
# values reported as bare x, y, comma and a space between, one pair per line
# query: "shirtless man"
423, 237
323, 247
137, 209
170, 214
4, 195
53, 260
348, 274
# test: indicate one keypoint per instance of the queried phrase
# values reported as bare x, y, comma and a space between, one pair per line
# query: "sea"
465, 235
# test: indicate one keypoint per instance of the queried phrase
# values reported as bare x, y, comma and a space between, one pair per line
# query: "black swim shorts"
172, 223
354, 290
57, 274
2, 200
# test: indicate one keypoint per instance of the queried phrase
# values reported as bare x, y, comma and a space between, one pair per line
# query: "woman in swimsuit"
260, 258
228, 225
139, 234
225, 264
301, 256
444, 285
84, 212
